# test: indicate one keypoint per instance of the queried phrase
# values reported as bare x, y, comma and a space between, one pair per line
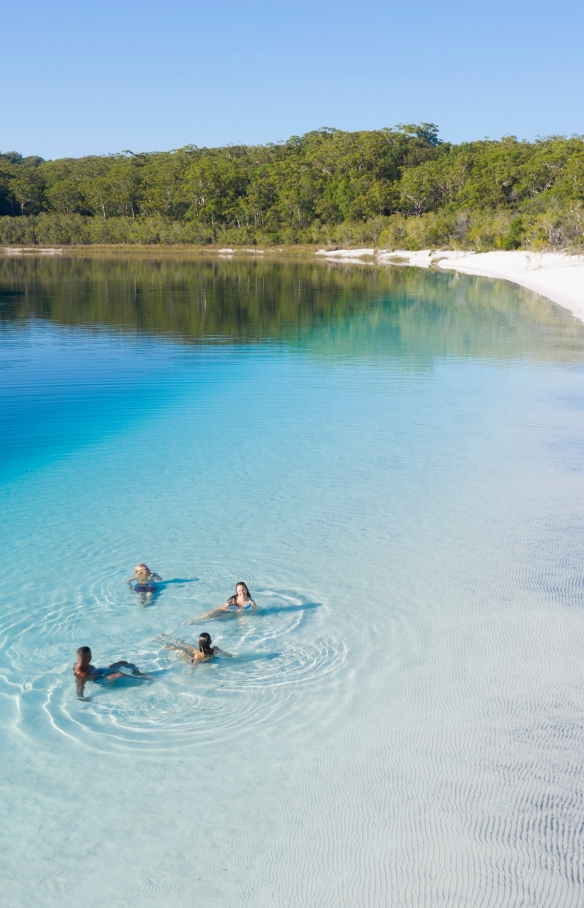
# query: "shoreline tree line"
394, 188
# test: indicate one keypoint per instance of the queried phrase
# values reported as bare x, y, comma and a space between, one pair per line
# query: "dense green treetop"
305, 189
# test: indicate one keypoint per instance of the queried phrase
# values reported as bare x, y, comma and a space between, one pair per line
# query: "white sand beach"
558, 277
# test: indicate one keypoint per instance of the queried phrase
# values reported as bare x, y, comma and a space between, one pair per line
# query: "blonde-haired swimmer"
241, 602
190, 653
144, 580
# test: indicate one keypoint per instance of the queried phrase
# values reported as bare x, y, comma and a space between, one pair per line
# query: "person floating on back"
144, 581
84, 671
241, 602
190, 653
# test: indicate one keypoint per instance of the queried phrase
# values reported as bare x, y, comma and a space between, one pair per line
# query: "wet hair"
143, 566
232, 600
244, 585
205, 644
84, 651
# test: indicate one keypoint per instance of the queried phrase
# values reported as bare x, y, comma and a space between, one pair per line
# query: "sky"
98, 78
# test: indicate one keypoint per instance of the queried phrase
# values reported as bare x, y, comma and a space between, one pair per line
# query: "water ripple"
180, 705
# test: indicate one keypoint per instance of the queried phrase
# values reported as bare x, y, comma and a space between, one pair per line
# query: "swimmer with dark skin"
241, 602
203, 653
84, 671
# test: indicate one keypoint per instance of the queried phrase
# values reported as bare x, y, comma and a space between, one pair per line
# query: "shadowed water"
392, 460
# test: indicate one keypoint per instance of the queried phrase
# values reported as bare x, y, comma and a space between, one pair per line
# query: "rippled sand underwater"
393, 462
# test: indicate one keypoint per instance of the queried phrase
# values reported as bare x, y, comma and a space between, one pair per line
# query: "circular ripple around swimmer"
51, 619
177, 708
182, 707
112, 594
303, 663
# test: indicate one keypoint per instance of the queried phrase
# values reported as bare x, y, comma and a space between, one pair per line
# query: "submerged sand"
554, 275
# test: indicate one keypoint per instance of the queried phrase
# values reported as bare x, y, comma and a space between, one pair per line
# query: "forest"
394, 188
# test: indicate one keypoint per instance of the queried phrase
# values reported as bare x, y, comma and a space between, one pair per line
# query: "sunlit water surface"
393, 462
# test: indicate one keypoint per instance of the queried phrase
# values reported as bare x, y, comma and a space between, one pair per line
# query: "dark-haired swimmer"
241, 602
190, 653
144, 581
85, 671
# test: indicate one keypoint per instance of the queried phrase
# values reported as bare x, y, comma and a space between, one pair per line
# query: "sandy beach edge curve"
554, 275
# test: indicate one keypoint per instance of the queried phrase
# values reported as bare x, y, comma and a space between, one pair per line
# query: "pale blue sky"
81, 78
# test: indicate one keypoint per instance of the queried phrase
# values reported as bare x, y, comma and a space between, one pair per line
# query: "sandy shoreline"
558, 277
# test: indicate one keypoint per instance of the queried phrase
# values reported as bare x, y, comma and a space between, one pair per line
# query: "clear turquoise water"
393, 462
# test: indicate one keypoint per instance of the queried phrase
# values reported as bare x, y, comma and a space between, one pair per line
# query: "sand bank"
558, 277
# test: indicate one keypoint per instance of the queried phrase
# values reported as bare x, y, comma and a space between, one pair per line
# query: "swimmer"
144, 579
85, 671
241, 602
190, 653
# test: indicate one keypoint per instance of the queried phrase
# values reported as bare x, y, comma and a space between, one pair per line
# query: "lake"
392, 460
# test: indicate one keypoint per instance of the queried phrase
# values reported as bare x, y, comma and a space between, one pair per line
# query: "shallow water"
393, 462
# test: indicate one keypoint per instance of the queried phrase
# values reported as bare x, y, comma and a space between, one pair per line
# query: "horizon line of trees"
399, 188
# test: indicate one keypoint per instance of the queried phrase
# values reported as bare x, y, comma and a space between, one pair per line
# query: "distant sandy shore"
558, 277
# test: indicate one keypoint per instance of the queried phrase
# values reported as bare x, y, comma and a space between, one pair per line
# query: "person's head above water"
242, 590
205, 644
83, 656
142, 569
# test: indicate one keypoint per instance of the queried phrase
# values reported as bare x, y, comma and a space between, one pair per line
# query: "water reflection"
337, 310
